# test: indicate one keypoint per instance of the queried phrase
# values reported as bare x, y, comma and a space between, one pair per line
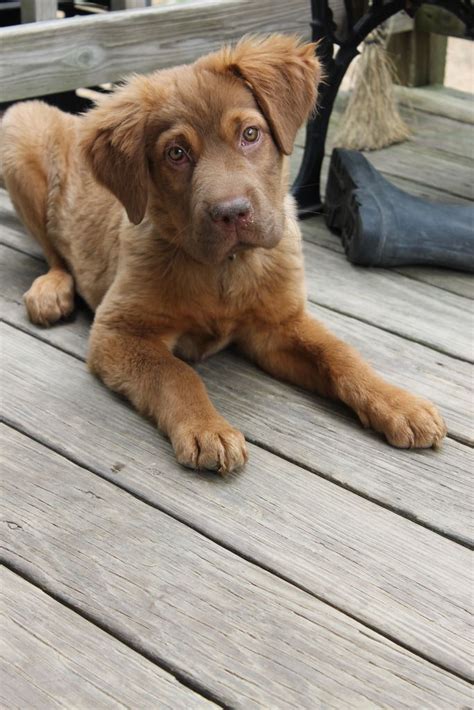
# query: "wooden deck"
334, 572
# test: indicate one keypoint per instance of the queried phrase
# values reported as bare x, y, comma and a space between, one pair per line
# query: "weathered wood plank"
13, 234
437, 136
15, 264
51, 657
315, 539
86, 51
422, 313
425, 166
315, 230
457, 282
439, 133
329, 439
418, 189
389, 300
438, 100
437, 174
248, 637
418, 58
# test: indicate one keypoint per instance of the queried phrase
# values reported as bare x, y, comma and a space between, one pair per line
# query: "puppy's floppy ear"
282, 73
114, 144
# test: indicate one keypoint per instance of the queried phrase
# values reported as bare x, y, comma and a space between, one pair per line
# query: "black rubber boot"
381, 225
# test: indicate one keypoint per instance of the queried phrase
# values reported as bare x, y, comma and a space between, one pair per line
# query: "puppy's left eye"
177, 155
251, 134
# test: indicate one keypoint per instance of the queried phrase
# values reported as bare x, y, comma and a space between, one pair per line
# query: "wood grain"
13, 234
419, 311
315, 230
86, 51
434, 164
458, 282
433, 175
444, 136
433, 487
246, 636
427, 167
315, 538
51, 657
429, 374
438, 100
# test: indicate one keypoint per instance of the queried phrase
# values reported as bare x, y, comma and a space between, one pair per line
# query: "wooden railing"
59, 55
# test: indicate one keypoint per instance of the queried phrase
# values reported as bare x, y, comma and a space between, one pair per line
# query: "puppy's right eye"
177, 155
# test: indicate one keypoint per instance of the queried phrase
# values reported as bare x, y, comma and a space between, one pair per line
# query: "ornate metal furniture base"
347, 23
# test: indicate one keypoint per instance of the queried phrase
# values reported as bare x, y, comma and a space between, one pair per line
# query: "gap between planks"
178, 487
18, 238
460, 283
259, 443
313, 298
71, 338
425, 145
103, 487
18, 277
335, 299
73, 648
461, 436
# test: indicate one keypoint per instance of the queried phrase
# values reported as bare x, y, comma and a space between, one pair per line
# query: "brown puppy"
207, 251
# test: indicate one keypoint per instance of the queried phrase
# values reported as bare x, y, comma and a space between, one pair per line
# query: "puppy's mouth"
214, 244
228, 243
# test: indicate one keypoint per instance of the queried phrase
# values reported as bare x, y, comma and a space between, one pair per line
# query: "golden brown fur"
207, 250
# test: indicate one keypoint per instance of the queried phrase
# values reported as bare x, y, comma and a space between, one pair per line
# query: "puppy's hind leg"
26, 132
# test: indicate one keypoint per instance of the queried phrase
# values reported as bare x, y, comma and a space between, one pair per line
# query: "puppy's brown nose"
236, 211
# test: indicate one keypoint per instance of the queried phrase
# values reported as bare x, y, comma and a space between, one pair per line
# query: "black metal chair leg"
307, 186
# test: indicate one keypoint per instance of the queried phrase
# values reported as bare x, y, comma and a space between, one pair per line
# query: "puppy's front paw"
50, 298
407, 421
215, 446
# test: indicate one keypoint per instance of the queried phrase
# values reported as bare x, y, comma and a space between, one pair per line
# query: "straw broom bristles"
371, 119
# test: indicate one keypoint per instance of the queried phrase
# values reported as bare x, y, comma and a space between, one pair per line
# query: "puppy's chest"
217, 313
197, 344
210, 325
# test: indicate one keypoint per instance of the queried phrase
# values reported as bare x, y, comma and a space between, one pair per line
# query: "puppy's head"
203, 145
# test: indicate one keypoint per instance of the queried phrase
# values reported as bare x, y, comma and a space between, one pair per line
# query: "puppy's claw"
220, 449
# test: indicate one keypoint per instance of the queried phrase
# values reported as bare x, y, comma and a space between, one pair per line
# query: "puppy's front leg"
303, 352
168, 390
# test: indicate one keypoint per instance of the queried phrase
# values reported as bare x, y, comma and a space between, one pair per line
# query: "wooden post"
37, 10
420, 56
129, 4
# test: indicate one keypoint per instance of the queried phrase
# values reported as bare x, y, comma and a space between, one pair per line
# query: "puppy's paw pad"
220, 448
50, 298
